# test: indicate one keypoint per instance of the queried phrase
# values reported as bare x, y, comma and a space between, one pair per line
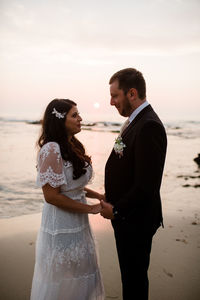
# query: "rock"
167, 273
197, 160
194, 223
34, 122
196, 185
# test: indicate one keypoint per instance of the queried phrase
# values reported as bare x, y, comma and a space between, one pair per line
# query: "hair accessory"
58, 114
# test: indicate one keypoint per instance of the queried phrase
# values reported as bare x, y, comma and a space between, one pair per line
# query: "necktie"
124, 126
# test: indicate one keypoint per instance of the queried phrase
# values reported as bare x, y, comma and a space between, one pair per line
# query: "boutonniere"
119, 146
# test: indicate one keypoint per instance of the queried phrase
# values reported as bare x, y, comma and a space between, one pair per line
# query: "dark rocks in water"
194, 223
186, 185
186, 177
189, 185
197, 160
115, 131
189, 177
34, 122
116, 124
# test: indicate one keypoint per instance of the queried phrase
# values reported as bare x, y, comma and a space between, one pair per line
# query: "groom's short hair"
130, 78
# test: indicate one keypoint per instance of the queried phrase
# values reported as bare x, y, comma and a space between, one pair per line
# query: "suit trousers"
133, 249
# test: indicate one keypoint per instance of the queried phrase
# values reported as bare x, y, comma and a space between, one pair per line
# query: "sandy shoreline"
175, 261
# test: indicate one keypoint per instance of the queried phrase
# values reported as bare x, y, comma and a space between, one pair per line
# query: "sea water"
19, 194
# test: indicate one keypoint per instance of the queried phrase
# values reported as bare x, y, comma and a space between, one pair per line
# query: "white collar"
137, 111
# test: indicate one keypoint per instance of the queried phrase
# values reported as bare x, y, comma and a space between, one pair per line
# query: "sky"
69, 49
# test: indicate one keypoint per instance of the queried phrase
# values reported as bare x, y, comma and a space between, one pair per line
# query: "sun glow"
96, 105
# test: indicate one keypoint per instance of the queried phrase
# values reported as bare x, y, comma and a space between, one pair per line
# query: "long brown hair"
54, 130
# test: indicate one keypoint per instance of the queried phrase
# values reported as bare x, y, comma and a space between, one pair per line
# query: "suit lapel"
137, 118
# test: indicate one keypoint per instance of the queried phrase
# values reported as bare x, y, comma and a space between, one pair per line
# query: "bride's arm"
93, 194
54, 197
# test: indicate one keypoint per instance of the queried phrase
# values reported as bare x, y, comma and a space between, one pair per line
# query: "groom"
133, 177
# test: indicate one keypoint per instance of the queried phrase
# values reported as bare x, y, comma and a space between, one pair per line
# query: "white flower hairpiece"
58, 114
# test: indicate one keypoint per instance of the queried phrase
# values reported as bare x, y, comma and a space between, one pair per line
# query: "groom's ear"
132, 94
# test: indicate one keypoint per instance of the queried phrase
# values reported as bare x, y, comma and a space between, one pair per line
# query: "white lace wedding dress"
66, 265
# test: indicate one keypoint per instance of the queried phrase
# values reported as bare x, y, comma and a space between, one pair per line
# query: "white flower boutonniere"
119, 146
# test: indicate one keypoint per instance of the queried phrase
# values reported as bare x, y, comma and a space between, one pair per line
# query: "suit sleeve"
148, 157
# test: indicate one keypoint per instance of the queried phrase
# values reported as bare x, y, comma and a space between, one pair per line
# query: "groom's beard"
126, 108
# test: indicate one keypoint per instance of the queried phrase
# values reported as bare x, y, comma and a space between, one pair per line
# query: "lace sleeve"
50, 166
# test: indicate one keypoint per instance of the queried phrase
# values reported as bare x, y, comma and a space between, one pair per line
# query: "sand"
175, 260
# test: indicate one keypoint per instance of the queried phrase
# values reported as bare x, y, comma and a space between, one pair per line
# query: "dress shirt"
137, 111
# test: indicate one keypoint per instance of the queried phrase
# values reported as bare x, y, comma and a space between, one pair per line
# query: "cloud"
98, 32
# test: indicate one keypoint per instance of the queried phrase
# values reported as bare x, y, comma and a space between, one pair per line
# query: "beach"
174, 271
175, 261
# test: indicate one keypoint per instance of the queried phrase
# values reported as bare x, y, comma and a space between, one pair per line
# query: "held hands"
95, 209
106, 210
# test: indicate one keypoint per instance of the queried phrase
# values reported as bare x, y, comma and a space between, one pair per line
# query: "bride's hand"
102, 197
95, 209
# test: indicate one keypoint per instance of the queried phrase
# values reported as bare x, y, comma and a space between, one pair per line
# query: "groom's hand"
106, 210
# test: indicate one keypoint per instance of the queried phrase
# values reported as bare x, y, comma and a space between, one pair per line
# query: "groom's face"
119, 100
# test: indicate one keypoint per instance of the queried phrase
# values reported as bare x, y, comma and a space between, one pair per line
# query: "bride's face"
73, 121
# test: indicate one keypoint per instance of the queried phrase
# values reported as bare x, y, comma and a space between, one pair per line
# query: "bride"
66, 266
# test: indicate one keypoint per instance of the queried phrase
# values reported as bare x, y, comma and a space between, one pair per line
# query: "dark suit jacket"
132, 182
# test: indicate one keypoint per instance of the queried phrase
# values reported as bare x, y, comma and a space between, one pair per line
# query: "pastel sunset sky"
70, 48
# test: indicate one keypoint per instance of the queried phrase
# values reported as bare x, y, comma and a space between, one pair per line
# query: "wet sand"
175, 260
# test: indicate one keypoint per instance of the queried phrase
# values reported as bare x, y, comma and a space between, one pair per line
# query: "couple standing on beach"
66, 265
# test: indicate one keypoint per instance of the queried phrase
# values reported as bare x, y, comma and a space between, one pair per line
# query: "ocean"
19, 194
